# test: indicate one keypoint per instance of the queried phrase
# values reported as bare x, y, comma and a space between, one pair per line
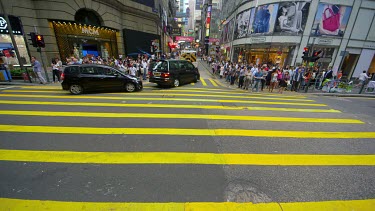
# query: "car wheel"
176, 82
130, 87
195, 79
76, 89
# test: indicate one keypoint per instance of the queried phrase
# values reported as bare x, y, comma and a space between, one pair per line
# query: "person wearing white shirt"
133, 70
362, 78
144, 66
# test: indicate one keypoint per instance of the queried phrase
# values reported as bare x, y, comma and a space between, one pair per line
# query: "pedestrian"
241, 77
273, 81
248, 78
55, 70
144, 66
37, 68
297, 78
133, 70
258, 76
222, 71
284, 82
362, 79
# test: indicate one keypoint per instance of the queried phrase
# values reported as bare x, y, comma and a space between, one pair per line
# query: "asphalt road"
217, 145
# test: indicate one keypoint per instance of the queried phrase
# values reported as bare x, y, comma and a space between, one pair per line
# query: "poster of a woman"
242, 24
292, 17
264, 20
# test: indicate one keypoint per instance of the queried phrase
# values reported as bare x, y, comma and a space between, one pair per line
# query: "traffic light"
316, 55
33, 39
40, 41
305, 56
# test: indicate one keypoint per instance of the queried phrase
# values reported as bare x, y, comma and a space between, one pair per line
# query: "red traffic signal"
306, 49
40, 41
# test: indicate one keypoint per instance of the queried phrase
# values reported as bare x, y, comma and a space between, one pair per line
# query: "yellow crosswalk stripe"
185, 158
176, 94
161, 99
177, 106
179, 116
203, 82
213, 82
41, 205
185, 132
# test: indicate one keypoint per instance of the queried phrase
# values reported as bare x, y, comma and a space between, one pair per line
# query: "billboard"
331, 20
242, 24
291, 18
264, 20
230, 30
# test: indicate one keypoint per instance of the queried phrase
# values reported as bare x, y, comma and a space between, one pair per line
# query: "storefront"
264, 54
79, 40
7, 52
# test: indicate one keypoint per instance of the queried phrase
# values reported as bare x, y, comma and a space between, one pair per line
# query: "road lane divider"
203, 82
174, 94
185, 158
213, 82
175, 106
160, 99
179, 116
187, 132
41, 205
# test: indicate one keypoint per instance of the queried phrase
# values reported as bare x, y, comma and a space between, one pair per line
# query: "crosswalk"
207, 127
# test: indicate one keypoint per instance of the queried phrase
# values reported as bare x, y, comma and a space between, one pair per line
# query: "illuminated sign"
90, 31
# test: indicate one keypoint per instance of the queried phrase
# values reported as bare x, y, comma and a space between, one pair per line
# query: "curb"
343, 95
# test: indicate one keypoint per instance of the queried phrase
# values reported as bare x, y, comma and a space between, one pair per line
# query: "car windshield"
161, 66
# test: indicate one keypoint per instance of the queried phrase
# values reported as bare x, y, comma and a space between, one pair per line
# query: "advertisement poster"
225, 33
331, 20
242, 24
291, 18
264, 20
230, 30
252, 15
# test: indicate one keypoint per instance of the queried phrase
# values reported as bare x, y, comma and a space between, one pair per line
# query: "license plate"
156, 74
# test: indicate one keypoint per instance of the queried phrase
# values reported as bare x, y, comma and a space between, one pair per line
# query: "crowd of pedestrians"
259, 77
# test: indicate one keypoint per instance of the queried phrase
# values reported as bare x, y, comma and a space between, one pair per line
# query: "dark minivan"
89, 77
173, 72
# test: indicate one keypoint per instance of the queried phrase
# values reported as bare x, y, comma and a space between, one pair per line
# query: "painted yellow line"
41, 205
213, 82
239, 93
179, 116
159, 99
178, 106
185, 132
192, 84
203, 82
185, 158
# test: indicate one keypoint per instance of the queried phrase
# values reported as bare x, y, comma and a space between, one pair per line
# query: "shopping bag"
331, 22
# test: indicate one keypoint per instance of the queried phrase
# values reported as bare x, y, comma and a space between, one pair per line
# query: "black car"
88, 77
173, 72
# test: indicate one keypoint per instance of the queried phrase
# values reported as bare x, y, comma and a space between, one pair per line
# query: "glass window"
173, 65
161, 66
190, 66
183, 65
89, 70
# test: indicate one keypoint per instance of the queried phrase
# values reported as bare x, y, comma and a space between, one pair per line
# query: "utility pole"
13, 40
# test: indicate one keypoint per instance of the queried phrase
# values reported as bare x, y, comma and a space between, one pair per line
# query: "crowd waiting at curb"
257, 77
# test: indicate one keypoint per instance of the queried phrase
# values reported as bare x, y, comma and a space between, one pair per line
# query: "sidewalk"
311, 92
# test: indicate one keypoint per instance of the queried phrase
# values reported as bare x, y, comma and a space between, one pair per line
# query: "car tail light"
165, 75
62, 76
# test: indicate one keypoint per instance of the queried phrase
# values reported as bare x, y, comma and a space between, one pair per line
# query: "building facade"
107, 28
277, 32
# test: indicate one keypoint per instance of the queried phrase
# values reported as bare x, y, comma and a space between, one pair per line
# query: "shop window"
88, 17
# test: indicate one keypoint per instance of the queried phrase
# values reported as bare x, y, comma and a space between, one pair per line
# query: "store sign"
3, 23
90, 31
176, 31
258, 39
15, 23
185, 38
325, 41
